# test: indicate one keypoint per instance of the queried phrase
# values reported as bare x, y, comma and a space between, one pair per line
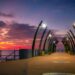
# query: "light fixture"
44, 25
50, 35
54, 42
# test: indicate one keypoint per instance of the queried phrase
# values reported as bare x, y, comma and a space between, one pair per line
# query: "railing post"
14, 54
0, 53
6, 58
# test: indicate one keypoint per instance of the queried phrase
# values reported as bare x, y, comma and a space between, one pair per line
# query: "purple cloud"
21, 31
2, 24
2, 14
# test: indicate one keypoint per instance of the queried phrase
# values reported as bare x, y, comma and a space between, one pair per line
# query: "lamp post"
45, 26
34, 39
50, 42
48, 35
0, 53
54, 45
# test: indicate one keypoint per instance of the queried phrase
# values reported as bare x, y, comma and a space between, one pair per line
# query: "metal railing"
6, 55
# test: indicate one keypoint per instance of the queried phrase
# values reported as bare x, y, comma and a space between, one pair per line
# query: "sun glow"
10, 43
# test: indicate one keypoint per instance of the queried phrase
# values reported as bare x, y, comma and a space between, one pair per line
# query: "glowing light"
44, 25
67, 39
50, 35
54, 41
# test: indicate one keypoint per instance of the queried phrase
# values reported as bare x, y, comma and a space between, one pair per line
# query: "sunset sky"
19, 18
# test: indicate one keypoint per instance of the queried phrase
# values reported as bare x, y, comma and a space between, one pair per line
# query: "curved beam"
65, 43
34, 39
74, 26
50, 44
46, 40
41, 41
72, 36
72, 33
71, 40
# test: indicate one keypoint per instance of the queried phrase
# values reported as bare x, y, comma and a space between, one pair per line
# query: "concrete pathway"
41, 65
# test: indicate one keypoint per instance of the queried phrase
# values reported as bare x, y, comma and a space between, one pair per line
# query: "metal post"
0, 53
14, 54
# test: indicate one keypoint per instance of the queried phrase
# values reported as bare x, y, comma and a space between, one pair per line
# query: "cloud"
2, 24
17, 32
20, 34
2, 14
21, 31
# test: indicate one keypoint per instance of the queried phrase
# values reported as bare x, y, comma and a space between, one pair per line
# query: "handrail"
8, 55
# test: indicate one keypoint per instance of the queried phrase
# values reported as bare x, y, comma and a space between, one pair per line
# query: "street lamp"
49, 41
46, 40
41, 41
54, 45
68, 43
50, 35
44, 25
34, 39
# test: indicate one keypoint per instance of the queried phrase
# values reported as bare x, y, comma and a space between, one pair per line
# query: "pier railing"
6, 55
